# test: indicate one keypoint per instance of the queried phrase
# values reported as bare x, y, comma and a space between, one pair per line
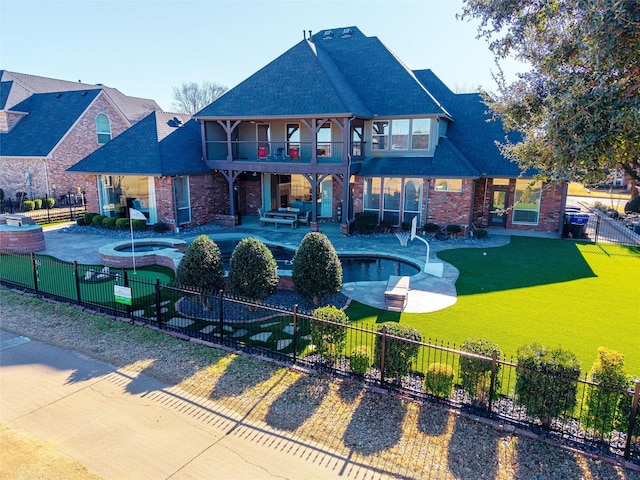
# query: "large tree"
578, 107
191, 97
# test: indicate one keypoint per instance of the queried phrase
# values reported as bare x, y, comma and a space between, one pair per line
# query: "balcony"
276, 152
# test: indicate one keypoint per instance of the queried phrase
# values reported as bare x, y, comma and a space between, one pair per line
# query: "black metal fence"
592, 417
600, 227
45, 214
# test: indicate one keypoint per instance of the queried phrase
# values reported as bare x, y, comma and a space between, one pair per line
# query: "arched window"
103, 128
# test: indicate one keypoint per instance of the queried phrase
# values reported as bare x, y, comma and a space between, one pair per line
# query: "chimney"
310, 34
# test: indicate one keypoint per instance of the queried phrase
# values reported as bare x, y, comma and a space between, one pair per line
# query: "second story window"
405, 134
103, 128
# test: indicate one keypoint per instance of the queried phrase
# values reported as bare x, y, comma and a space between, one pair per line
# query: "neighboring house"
156, 167
339, 125
47, 125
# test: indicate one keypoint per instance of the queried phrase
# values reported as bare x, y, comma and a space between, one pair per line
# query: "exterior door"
498, 208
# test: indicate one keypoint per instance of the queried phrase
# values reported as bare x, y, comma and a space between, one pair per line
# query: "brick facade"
49, 175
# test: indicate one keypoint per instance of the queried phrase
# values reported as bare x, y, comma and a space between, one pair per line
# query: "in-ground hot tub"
166, 252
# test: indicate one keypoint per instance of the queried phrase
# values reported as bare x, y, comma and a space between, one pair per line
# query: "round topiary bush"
96, 221
360, 359
475, 373
122, 223
399, 354
439, 379
49, 202
139, 225
109, 222
253, 272
37, 203
546, 381
28, 205
328, 333
201, 268
317, 270
453, 230
480, 233
88, 217
430, 229
80, 221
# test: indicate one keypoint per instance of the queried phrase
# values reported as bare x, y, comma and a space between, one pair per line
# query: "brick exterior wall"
549, 219
79, 142
444, 208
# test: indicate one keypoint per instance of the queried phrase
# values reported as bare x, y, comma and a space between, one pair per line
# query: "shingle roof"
156, 145
17, 87
446, 162
474, 131
337, 76
50, 116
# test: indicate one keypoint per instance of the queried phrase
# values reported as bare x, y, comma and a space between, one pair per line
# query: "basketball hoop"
403, 237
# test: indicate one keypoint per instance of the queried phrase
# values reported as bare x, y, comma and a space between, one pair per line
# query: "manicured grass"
559, 293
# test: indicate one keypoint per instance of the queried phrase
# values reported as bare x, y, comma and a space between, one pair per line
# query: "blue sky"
145, 47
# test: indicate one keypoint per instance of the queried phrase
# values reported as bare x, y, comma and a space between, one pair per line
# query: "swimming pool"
355, 268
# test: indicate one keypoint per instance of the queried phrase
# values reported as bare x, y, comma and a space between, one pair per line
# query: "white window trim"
98, 132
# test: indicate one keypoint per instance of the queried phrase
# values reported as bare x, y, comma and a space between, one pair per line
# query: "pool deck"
427, 293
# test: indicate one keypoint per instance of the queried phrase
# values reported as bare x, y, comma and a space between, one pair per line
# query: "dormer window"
401, 134
103, 128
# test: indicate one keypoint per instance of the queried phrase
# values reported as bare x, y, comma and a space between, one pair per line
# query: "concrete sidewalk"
125, 425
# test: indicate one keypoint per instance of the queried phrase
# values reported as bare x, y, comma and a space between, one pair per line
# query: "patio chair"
305, 218
279, 154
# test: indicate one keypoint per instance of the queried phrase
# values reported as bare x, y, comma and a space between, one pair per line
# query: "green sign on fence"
122, 294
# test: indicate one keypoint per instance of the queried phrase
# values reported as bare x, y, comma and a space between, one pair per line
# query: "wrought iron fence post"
158, 306
221, 314
77, 279
295, 333
383, 343
633, 416
492, 386
34, 268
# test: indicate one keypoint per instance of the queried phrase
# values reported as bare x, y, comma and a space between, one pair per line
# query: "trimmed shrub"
88, 217
386, 226
28, 205
109, 222
201, 268
37, 203
160, 227
360, 359
480, 233
49, 202
439, 379
253, 272
633, 205
546, 381
96, 221
317, 270
430, 229
602, 406
80, 221
453, 230
399, 354
475, 373
122, 223
139, 225
405, 226
365, 223
328, 332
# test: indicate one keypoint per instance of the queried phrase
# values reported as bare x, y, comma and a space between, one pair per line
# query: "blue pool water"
354, 268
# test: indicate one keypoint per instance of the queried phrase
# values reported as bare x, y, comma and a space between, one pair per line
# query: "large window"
183, 204
103, 128
526, 207
397, 199
406, 134
448, 185
371, 194
118, 193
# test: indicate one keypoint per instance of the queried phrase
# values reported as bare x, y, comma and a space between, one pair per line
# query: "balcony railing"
281, 152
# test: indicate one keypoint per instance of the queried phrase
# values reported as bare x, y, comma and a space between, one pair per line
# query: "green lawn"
559, 293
